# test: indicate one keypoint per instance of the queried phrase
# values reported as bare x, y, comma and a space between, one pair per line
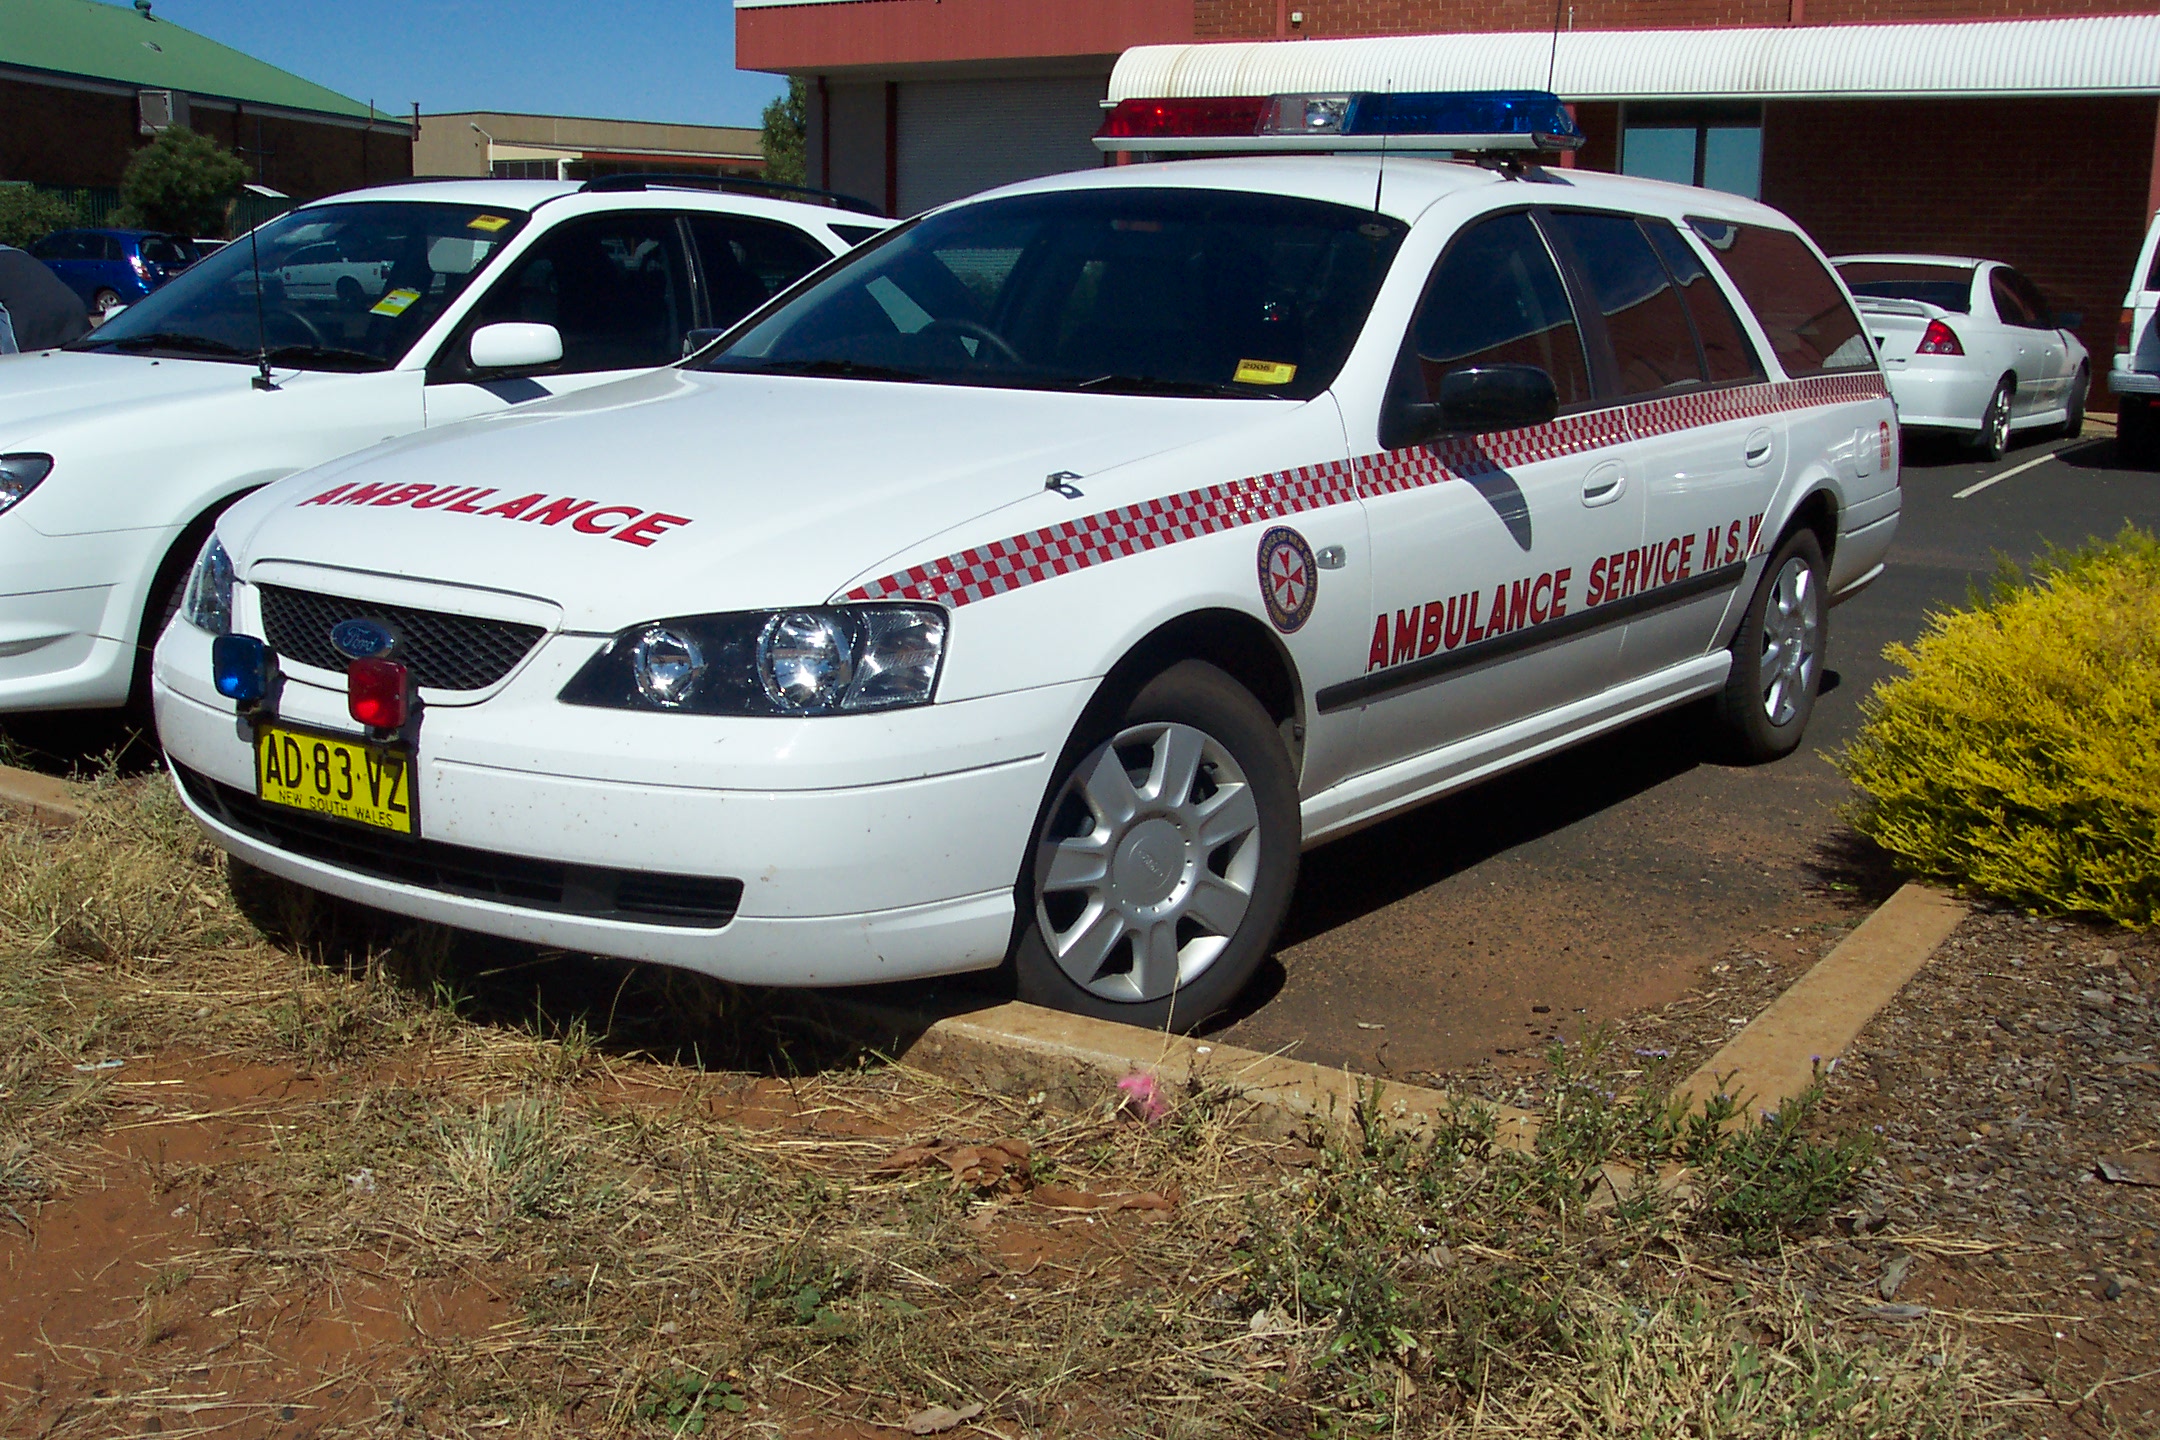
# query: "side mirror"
698, 338
515, 345
2068, 319
1479, 400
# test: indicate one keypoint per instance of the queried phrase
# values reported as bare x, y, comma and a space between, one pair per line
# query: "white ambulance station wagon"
1032, 587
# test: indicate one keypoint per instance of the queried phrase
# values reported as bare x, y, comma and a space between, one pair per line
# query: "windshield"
1946, 286
1129, 291
344, 287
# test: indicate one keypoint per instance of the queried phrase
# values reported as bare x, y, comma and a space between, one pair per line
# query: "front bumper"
867, 848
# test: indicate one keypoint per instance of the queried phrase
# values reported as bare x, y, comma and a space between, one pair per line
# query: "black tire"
1243, 755
1993, 437
1751, 732
2074, 420
2135, 432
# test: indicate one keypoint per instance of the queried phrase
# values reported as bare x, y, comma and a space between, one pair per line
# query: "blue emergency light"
1465, 121
241, 666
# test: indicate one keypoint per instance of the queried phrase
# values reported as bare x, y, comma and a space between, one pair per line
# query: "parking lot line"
1972, 490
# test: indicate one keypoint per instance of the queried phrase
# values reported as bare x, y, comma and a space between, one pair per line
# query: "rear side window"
2020, 302
1728, 357
1653, 344
746, 262
1496, 299
1811, 328
1947, 287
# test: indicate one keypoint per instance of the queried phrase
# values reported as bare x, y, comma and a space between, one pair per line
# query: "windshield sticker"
1289, 578
1264, 372
489, 223
631, 524
395, 303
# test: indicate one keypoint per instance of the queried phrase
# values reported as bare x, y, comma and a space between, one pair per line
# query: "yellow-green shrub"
2020, 754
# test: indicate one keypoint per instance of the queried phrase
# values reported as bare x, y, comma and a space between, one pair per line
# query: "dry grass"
545, 1196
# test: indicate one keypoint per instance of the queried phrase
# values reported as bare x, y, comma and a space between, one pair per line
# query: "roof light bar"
1462, 120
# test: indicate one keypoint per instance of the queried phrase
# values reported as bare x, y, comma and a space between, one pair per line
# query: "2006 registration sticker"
353, 780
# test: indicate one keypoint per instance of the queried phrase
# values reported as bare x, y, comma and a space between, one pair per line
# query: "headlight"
831, 660
208, 602
19, 475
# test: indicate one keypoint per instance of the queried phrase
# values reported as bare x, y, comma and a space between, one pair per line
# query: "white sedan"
1970, 347
381, 312
1040, 580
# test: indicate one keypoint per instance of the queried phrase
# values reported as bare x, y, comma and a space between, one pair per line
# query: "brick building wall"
1334, 19
56, 135
2036, 192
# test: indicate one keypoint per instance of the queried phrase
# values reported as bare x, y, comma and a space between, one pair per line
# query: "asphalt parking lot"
1612, 879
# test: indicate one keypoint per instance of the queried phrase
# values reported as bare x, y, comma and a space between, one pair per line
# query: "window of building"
527, 169
1496, 299
1715, 146
1809, 324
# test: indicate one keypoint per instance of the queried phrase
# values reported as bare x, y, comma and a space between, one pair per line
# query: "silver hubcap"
1146, 864
1789, 642
1999, 422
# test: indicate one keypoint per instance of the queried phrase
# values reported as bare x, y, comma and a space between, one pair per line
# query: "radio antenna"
262, 323
1387, 119
1552, 57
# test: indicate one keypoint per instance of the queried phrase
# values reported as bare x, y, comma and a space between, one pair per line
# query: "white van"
2135, 379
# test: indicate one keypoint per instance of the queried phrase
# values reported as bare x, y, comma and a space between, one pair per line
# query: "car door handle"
1604, 484
1759, 446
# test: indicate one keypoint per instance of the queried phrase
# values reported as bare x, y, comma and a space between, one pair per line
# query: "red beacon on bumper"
378, 692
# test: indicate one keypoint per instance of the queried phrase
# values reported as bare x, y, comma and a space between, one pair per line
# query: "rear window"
1810, 326
1948, 287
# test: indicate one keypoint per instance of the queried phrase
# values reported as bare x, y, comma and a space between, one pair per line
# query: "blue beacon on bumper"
241, 666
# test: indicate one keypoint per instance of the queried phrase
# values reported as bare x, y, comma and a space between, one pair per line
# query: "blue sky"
644, 60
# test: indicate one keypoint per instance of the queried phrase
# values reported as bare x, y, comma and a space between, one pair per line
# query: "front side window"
1653, 345
342, 287
615, 287
1496, 299
1129, 290
1947, 287
1811, 328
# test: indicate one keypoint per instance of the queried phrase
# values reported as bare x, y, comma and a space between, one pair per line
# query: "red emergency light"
378, 693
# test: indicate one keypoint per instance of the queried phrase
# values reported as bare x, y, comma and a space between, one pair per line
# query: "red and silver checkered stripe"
1002, 565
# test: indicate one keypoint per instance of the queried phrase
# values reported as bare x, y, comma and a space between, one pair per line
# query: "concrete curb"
48, 802
1774, 1058
1073, 1061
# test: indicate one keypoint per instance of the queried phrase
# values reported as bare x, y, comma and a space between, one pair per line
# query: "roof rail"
737, 184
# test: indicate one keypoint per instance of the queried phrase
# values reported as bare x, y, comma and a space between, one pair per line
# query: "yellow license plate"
371, 784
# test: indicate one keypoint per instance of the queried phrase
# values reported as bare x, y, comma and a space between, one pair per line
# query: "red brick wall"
1256, 19
2015, 180
57, 136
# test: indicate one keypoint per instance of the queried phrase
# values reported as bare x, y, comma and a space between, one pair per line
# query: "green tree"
28, 213
181, 182
786, 118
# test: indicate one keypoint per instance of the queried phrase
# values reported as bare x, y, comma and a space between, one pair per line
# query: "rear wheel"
103, 301
1164, 858
1993, 436
2135, 432
1777, 656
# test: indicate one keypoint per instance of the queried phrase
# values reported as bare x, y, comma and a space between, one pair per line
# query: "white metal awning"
2101, 55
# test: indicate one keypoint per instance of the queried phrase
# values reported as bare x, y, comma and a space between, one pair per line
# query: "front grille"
444, 652
637, 896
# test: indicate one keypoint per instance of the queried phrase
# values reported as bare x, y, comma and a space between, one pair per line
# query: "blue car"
114, 267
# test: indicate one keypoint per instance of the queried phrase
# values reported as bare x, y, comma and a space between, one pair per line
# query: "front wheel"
2074, 416
1777, 656
1164, 859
